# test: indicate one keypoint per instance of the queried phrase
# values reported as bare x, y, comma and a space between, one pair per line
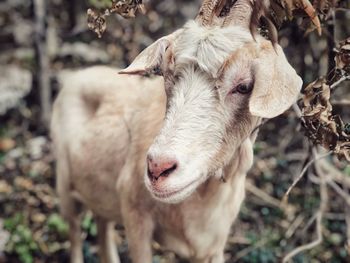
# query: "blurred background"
40, 39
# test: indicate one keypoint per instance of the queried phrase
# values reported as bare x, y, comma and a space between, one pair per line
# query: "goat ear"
277, 85
149, 61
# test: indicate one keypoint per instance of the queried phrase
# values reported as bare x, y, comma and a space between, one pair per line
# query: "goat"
167, 157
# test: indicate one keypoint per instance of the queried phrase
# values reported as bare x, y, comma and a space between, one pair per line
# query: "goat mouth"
167, 194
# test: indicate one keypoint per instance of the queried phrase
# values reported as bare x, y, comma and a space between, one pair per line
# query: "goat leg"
139, 230
76, 255
107, 247
70, 210
216, 258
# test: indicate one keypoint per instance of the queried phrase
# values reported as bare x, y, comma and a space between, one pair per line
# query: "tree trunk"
43, 79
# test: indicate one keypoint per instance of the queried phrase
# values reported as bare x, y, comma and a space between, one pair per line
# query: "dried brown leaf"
96, 22
125, 8
321, 125
342, 58
6, 144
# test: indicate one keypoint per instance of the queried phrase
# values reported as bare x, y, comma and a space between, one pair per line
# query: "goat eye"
157, 71
244, 88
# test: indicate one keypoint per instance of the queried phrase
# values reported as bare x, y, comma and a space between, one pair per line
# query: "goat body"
149, 154
102, 127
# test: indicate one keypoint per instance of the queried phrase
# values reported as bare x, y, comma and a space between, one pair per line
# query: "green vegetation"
21, 240
100, 3
56, 224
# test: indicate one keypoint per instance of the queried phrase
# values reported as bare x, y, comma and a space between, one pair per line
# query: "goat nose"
160, 167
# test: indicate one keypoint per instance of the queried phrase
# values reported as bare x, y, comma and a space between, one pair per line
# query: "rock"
23, 31
15, 83
36, 146
15, 153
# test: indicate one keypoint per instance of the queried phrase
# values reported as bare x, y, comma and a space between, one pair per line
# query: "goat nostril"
168, 171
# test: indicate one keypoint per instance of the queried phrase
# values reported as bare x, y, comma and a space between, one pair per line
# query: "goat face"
219, 82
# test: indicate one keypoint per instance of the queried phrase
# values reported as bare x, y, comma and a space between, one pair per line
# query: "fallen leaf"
7, 144
5, 188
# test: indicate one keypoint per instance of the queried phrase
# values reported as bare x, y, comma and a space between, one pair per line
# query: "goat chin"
177, 191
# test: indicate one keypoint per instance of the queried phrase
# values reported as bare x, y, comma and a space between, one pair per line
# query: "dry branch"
288, 209
347, 220
302, 173
310, 245
42, 60
126, 8
318, 214
279, 11
322, 127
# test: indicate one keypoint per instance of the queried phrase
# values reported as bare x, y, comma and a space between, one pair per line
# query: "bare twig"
340, 103
294, 225
332, 173
297, 110
334, 216
347, 221
345, 195
309, 223
249, 249
340, 192
262, 195
343, 78
285, 197
310, 245
319, 213
287, 209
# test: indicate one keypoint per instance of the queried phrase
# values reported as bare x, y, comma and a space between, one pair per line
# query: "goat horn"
227, 12
240, 14
207, 11
311, 12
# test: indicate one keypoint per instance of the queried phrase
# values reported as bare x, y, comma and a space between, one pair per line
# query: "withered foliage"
312, 11
125, 8
342, 58
321, 125
280, 10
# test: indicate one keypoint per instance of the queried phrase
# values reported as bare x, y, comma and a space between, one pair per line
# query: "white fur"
195, 122
208, 47
191, 133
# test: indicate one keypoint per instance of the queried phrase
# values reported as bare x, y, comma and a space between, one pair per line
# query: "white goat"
184, 186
